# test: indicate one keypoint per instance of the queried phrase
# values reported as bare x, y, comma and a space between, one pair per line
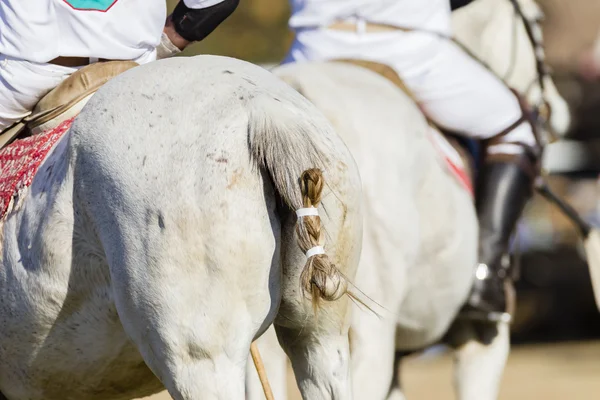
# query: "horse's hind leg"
196, 340
372, 344
194, 310
320, 360
478, 367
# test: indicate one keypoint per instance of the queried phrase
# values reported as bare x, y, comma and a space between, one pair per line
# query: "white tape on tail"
315, 251
307, 212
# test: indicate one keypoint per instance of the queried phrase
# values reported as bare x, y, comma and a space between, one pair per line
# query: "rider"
455, 92
43, 41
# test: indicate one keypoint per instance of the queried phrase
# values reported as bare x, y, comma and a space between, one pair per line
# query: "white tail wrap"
310, 212
307, 212
315, 251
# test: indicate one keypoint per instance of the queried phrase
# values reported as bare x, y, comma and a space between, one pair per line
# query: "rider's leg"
23, 84
462, 96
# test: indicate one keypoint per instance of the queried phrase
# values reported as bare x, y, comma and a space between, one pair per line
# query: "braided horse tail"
286, 141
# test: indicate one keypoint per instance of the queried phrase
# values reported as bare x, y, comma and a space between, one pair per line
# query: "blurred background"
556, 346
257, 32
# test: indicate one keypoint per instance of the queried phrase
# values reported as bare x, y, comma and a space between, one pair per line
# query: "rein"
542, 111
538, 48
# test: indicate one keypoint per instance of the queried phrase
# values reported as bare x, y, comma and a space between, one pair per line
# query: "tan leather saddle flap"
384, 70
75, 88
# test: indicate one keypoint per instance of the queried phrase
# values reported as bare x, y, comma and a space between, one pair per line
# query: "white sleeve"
201, 3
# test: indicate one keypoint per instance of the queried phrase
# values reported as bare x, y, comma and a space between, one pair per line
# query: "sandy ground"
549, 372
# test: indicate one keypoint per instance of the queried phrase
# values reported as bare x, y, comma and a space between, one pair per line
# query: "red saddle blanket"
20, 160
453, 160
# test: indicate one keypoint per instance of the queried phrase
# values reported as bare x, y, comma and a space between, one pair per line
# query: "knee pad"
196, 24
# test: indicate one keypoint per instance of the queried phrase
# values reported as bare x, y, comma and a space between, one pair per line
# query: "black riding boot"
504, 189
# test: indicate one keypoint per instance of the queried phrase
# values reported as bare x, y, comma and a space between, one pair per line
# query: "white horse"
420, 233
159, 240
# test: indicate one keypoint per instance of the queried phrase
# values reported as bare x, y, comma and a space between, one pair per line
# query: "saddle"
66, 100
444, 141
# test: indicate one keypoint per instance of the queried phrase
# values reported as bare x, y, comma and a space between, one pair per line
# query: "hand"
175, 38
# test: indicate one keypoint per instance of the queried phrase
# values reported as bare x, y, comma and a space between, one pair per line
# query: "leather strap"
367, 27
527, 162
74, 61
511, 128
532, 152
8, 135
11, 133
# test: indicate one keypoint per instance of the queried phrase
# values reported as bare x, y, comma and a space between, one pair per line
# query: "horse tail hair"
286, 143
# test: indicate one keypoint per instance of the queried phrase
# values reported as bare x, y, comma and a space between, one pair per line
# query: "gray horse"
160, 239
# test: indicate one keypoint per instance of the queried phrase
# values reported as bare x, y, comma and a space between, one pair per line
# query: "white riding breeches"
23, 84
452, 89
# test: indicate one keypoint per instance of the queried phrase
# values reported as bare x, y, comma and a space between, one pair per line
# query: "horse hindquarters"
193, 253
191, 229
192, 293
